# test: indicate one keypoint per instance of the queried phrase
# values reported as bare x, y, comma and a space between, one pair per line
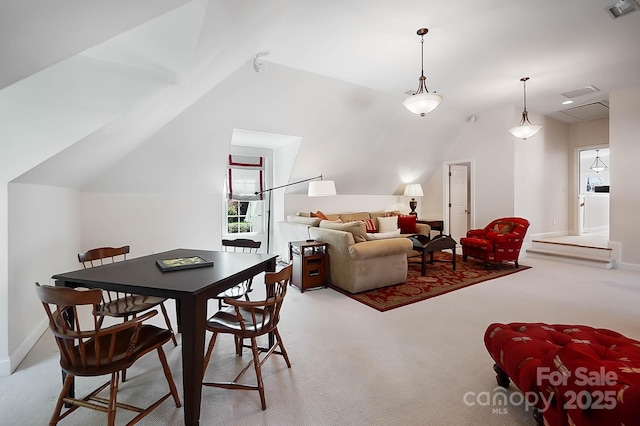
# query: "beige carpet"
353, 365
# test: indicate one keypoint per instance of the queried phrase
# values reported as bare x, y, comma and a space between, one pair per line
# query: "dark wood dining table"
190, 288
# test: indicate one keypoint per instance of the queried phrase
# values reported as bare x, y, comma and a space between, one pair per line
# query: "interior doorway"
458, 198
592, 187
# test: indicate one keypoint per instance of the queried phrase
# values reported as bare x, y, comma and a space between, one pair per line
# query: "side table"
436, 225
309, 264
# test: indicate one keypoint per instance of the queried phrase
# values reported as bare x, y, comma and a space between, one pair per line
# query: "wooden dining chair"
120, 304
249, 320
88, 350
240, 245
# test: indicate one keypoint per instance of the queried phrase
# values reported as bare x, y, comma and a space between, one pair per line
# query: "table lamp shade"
413, 190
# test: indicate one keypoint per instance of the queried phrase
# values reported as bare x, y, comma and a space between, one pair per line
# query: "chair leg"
256, 364
239, 345
282, 349
113, 393
167, 374
166, 318
207, 357
68, 381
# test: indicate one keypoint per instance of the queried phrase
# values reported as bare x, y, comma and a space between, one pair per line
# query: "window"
245, 208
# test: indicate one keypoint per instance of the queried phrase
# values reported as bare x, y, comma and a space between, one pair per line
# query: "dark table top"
141, 275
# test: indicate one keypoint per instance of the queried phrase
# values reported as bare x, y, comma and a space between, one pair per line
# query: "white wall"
346, 203
44, 238
488, 143
542, 178
151, 223
624, 125
512, 177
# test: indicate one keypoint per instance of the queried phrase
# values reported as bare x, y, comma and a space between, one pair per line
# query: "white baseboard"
9, 364
616, 253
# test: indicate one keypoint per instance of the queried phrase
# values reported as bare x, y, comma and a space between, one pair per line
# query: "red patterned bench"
574, 375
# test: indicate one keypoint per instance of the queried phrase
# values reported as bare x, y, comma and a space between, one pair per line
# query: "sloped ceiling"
114, 73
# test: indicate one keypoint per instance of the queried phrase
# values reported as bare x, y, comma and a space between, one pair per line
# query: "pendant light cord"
524, 85
422, 56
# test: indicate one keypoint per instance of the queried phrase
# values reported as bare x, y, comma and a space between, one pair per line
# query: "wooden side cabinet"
436, 225
309, 264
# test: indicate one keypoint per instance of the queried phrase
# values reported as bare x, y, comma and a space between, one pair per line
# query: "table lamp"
413, 190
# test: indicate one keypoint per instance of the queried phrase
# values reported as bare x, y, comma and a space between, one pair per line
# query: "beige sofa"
356, 264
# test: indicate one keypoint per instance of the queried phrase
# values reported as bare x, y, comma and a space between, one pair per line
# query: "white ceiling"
475, 52
174, 52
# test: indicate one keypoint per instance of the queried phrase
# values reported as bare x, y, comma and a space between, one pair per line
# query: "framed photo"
179, 263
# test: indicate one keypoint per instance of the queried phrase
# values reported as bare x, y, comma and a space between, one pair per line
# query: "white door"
458, 204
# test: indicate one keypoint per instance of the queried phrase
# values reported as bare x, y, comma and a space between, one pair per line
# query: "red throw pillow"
407, 224
371, 226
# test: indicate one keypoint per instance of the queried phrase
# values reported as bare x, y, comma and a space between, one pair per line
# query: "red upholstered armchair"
499, 241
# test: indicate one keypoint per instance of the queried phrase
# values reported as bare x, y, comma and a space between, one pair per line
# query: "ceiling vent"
592, 111
623, 7
579, 92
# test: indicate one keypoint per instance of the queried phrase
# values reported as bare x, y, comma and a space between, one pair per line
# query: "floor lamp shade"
321, 188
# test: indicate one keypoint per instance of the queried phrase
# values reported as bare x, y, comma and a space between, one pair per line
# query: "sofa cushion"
348, 217
382, 235
407, 224
387, 224
379, 249
357, 228
311, 221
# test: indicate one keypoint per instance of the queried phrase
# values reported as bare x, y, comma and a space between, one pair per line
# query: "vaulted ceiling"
101, 77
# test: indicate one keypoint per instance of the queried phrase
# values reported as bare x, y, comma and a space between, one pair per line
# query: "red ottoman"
574, 375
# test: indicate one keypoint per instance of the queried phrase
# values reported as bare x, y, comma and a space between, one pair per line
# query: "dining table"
190, 287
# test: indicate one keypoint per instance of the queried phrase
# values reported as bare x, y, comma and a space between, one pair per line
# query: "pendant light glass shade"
598, 165
525, 129
422, 102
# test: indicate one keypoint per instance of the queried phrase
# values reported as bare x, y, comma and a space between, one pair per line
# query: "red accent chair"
499, 241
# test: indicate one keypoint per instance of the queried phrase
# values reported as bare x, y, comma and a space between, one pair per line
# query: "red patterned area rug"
440, 278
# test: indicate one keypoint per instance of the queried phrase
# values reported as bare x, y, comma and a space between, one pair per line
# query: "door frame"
471, 195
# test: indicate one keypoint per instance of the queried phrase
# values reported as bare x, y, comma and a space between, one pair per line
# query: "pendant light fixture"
598, 165
525, 129
422, 102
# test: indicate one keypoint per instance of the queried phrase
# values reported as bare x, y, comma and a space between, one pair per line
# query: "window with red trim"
244, 183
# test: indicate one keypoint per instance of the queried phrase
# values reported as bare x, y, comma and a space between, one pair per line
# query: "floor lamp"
319, 188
